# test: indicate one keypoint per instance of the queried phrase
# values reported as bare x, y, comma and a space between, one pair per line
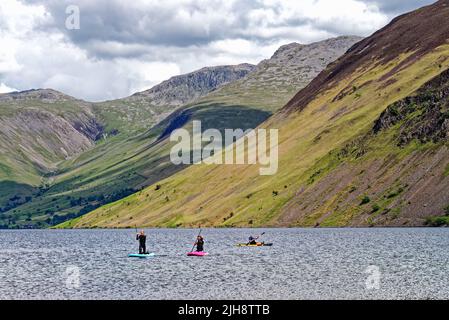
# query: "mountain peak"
296, 50
286, 47
186, 88
337, 41
36, 94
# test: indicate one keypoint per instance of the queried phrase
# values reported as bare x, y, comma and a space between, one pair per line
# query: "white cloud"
21, 19
5, 89
127, 46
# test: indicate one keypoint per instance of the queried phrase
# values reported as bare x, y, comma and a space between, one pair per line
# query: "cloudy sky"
125, 46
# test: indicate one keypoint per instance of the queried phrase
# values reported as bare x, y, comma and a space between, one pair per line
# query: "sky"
106, 49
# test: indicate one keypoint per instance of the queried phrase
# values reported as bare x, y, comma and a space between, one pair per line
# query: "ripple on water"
302, 264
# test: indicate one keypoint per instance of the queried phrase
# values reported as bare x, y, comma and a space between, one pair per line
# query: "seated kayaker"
142, 238
199, 244
253, 240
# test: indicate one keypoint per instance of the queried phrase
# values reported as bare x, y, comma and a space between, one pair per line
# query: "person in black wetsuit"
199, 244
142, 238
252, 240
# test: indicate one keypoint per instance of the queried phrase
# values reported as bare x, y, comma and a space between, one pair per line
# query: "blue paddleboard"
138, 255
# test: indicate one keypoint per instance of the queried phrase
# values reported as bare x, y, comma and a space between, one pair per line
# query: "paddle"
136, 232
258, 237
195, 241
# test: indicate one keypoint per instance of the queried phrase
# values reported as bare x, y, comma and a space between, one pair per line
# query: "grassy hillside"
346, 157
30, 145
38, 129
118, 166
62, 157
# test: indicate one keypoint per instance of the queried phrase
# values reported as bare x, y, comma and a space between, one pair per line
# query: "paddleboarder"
199, 244
142, 238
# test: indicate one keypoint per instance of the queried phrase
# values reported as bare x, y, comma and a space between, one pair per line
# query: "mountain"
244, 103
274, 81
364, 144
247, 102
144, 109
130, 158
44, 131
40, 128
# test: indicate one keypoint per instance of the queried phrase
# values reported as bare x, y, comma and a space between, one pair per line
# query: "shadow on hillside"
214, 116
80, 194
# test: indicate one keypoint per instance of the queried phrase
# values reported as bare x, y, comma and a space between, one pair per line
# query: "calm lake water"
302, 264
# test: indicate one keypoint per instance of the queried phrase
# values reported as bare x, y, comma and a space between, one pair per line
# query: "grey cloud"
108, 57
156, 24
170, 23
114, 28
396, 7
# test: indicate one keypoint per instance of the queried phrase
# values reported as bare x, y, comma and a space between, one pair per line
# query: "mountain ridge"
333, 170
197, 83
128, 156
387, 43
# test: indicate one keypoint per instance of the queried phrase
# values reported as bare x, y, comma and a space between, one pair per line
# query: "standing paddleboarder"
142, 238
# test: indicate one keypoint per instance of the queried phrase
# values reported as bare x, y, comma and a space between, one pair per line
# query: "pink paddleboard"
197, 254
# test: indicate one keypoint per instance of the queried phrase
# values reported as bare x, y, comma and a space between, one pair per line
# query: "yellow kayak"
259, 244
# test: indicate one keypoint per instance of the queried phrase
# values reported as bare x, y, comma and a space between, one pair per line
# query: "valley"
131, 151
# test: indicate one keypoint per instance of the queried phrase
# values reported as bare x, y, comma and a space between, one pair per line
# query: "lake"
390, 263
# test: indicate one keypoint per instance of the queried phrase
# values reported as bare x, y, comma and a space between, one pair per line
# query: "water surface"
302, 264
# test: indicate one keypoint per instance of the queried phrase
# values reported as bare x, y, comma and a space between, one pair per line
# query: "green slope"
128, 158
51, 170
241, 104
335, 169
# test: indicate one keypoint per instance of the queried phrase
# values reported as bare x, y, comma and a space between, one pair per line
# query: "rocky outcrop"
307, 61
143, 110
424, 116
186, 88
291, 68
